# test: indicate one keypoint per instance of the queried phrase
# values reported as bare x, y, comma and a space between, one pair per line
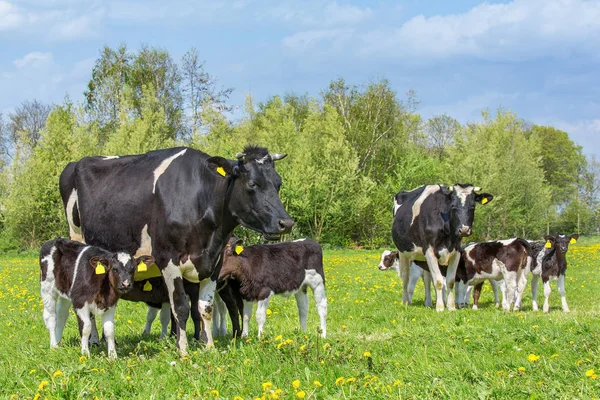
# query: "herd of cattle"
158, 228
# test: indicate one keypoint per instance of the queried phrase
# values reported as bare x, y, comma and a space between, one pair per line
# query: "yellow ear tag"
147, 286
573, 241
221, 171
142, 267
548, 244
100, 269
484, 200
239, 249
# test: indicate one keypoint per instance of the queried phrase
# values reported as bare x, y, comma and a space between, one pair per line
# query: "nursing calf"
90, 278
502, 259
255, 273
550, 263
391, 259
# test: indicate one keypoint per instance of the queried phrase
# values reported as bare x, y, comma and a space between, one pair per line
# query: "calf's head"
462, 198
120, 268
254, 198
388, 259
560, 242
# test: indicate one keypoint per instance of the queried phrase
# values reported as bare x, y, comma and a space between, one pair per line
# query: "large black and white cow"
429, 223
179, 205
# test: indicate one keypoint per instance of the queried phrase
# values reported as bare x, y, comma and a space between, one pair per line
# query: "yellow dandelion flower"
214, 393
266, 386
43, 384
367, 354
317, 383
350, 380
82, 359
127, 378
32, 371
278, 338
301, 394
296, 384
326, 346
398, 383
589, 373
37, 396
238, 398
302, 347
554, 355
57, 373
533, 358
521, 369
269, 312
340, 381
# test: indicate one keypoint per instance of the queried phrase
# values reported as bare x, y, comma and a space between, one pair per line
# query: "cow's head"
120, 268
254, 198
462, 211
560, 242
388, 259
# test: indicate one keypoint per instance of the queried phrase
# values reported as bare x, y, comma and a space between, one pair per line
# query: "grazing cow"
500, 259
429, 223
550, 263
90, 278
391, 259
260, 271
180, 205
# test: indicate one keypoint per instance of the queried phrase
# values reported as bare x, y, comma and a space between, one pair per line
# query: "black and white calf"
507, 260
90, 278
391, 259
550, 263
287, 268
429, 223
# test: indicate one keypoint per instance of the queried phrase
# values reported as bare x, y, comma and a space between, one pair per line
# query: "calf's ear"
574, 238
100, 265
483, 198
395, 254
148, 260
221, 166
238, 246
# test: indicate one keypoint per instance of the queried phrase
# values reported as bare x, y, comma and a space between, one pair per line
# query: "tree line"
351, 148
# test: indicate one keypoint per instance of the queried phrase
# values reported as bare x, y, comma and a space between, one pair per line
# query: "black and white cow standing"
550, 263
180, 205
90, 278
429, 223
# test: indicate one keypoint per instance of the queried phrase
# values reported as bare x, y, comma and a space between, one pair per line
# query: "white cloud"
35, 59
11, 17
315, 14
521, 29
301, 41
77, 27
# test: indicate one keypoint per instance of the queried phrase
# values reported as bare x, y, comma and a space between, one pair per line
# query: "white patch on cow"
189, 272
262, 160
77, 262
74, 231
163, 167
145, 243
123, 258
300, 240
396, 206
444, 256
463, 193
110, 157
416, 208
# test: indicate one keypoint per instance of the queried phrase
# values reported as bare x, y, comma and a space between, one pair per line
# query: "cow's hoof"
475, 307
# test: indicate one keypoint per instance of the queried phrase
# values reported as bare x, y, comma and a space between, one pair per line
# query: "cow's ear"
238, 246
100, 265
220, 166
574, 238
483, 198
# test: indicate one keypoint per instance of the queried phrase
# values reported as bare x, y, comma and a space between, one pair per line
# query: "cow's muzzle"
464, 231
285, 225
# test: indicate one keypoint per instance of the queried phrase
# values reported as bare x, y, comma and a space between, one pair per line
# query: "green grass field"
376, 348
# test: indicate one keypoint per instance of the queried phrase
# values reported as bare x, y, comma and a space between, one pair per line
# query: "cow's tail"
529, 249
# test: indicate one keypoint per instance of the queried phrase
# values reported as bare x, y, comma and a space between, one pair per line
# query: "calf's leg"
427, 284
302, 303
404, 273
220, 316
321, 303
547, 291
108, 328
261, 313
62, 314
165, 318
246, 317
535, 279
414, 275
151, 314
205, 307
476, 295
86, 330
521, 284
563, 295
49, 300
494, 284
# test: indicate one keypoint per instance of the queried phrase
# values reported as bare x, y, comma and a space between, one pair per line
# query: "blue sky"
539, 58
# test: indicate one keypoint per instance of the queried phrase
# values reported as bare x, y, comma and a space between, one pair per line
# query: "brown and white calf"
260, 271
550, 263
90, 278
509, 260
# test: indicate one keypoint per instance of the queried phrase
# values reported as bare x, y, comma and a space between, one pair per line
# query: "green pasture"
376, 348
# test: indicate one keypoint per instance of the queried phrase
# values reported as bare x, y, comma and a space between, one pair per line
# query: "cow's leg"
535, 279
547, 291
494, 284
427, 283
108, 329
179, 303
205, 305
563, 295
235, 307
476, 295
246, 318
521, 284
504, 295
86, 330
450, 278
510, 278
302, 303
94, 337
196, 316
415, 274
404, 273
220, 326
49, 300
321, 302
261, 313
165, 318
62, 314
151, 314
436, 275
462, 294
